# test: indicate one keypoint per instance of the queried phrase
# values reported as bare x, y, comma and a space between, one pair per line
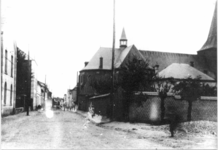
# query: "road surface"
65, 130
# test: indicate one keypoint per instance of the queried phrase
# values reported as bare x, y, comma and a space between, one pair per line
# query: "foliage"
135, 76
189, 90
208, 91
163, 87
23, 80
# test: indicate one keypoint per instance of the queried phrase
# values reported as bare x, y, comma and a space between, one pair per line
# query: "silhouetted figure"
174, 120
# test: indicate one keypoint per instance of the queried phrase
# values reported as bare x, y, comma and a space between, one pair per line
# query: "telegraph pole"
28, 85
112, 65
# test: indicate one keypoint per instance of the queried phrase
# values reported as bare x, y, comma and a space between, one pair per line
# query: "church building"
205, 61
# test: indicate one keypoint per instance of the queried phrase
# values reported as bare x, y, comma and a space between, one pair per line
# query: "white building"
8, 74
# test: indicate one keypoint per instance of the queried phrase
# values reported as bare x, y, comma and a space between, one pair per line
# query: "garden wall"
149, 109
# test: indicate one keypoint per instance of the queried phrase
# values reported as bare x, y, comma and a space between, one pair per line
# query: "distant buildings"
19, 84
71, 95
43, 94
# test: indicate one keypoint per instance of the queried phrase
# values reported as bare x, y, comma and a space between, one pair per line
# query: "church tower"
208, 53
123, 40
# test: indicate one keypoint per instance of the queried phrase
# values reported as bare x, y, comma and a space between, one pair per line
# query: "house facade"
8, 74
43, 94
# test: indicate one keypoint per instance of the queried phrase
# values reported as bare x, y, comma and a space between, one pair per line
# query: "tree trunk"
27, 107
162, 109
126, 103
189, 110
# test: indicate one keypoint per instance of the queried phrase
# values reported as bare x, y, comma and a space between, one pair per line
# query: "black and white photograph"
108, 74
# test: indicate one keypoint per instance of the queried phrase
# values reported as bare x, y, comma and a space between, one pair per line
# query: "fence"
148, 109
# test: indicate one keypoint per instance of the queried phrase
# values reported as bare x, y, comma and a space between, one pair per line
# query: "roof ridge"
165, 52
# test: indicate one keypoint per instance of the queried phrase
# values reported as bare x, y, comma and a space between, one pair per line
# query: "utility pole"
113, 71
28, 85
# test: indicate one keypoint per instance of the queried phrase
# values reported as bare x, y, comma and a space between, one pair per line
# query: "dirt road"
65, 130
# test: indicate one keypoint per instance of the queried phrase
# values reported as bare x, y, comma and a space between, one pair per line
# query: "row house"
71, 95
8, 74
43, 94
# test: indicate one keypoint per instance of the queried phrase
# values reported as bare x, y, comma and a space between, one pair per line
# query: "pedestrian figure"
174, 119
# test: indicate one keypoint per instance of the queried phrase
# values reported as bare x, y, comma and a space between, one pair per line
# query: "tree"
189, 90
135, 76
21, 76
163, 87
24, 76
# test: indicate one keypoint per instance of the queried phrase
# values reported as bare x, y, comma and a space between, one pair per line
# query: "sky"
61, 35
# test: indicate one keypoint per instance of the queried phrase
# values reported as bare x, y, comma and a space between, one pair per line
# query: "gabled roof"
123, 35
182, 71
164, 59
106, 54
41, 84
212, 36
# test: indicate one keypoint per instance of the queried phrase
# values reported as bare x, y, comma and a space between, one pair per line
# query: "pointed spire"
123, 40
212, 36
123, 36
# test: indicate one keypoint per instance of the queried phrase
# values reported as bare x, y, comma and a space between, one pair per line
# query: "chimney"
86, 63
156, 68
192, 63
101, 63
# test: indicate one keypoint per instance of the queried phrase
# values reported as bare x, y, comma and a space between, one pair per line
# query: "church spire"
123, 39
212, 36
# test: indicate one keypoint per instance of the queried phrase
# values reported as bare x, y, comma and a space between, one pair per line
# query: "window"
6, 58
12, 66
11, 95
5, 93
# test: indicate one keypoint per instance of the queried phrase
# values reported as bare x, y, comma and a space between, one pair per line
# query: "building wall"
34, 89
86, 77
8, 77
39, 96
74, 94
209, 56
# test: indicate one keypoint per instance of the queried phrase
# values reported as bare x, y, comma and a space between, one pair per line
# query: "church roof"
212, 36
122, 57
123, 35
182, 71
106, 54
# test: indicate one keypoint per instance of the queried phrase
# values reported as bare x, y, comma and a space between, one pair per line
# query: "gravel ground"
66, 130
188, 135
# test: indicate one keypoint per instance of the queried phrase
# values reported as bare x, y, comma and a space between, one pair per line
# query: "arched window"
6, 59
5, 93
12, 66
11, 95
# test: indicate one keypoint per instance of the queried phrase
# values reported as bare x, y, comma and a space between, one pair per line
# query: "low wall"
7, 110
149, 110
101, 105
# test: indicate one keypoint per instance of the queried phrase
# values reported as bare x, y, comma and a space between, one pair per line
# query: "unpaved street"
65, 130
